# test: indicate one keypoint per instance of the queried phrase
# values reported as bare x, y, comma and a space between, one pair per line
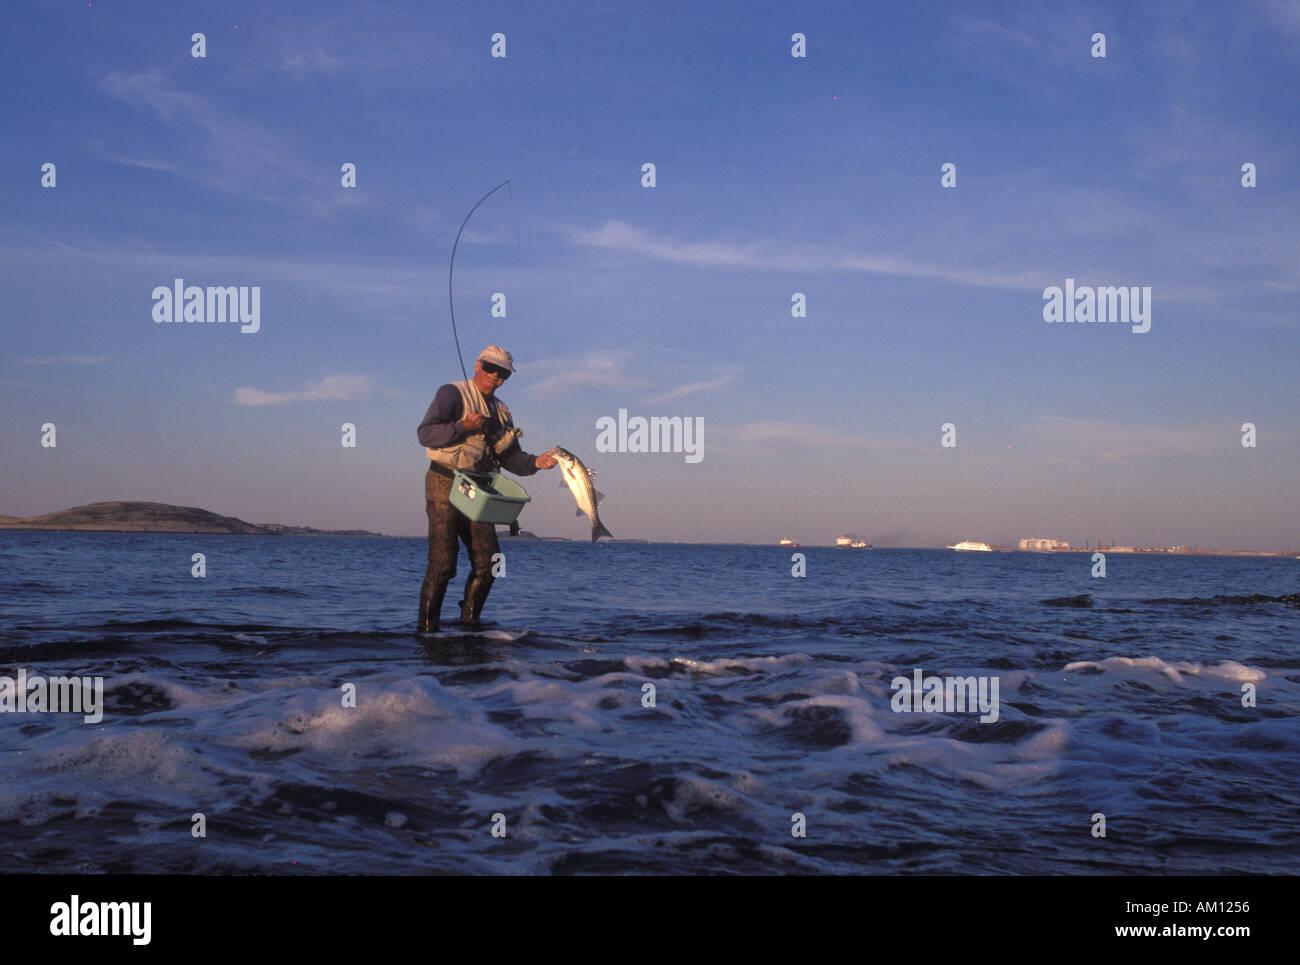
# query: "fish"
579, 480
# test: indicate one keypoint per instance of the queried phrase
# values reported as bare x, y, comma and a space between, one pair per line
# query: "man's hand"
545, 461
473, 421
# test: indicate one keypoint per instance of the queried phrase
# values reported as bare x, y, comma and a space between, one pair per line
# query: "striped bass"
579, 480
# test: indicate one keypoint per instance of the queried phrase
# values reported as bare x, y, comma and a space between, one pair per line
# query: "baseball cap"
496, 355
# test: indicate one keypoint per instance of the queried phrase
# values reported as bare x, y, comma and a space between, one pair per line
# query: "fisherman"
467, 427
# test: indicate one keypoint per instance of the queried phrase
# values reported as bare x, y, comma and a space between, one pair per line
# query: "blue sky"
775, 175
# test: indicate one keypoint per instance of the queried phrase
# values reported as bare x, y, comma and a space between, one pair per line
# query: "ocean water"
772, 711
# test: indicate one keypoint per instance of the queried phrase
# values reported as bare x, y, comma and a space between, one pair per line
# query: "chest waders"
478, 451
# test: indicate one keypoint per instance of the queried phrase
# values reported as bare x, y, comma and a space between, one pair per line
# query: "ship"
969, 545
788, 542
852, 542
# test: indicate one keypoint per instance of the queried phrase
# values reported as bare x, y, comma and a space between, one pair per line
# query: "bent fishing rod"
451, 301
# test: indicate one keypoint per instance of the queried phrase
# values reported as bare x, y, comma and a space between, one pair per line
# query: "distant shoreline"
141, 517
144, 517
1150, 551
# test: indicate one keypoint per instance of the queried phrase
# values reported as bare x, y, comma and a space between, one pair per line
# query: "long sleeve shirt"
442, 426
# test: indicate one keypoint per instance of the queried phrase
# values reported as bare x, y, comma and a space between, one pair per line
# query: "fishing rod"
451, 301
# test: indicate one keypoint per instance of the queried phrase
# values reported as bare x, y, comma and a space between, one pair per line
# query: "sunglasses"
496, 370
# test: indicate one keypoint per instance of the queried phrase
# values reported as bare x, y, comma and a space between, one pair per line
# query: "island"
137, 517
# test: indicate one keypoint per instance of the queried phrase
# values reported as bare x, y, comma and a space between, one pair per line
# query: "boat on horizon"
971, 546
852, 542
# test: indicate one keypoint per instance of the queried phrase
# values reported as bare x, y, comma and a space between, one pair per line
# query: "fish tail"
598, 530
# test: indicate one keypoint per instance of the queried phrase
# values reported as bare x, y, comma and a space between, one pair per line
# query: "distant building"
1044, 544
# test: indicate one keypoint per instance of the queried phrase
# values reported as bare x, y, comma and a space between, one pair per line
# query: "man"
467, 427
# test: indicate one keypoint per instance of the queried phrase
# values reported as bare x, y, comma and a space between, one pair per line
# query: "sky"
774, 175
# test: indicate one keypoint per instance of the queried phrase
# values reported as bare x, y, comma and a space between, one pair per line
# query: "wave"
1286, 599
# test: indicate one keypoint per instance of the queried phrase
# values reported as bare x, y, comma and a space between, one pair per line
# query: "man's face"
488, 376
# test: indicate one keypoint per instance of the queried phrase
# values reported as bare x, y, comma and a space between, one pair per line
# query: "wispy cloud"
333, 388
594, 370
356, 44
226, 152
39, 240
1001, 39
1015, 260
726, 377
620, 236
301, 60
148, 164
1283, 13
777, 432
1087, 440
1036, 48
604, 369
64, 359
975, 277
358, 277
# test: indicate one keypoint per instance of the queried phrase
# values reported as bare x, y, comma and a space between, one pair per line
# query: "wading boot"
468, 618
430, 608
471, 607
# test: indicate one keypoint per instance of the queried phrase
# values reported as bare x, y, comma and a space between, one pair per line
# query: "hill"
135, 517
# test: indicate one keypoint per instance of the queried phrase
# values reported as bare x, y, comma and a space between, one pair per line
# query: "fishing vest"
477, 451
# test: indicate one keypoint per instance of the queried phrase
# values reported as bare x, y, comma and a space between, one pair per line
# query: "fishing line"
510, 190
450, 300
